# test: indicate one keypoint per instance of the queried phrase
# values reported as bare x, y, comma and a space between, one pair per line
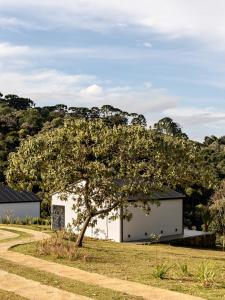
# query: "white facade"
20, 210
165, 220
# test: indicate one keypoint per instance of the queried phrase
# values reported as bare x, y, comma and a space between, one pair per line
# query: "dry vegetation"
193, 271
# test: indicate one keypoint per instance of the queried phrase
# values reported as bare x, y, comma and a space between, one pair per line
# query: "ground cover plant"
138, 263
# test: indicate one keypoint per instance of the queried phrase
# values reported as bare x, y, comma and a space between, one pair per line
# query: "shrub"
161, 270
9, 218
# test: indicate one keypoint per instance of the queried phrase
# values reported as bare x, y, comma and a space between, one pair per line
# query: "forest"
20, 118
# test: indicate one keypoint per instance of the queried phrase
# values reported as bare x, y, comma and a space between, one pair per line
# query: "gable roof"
167, 195
8, 195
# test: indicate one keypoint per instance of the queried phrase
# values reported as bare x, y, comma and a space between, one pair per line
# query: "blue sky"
160, 58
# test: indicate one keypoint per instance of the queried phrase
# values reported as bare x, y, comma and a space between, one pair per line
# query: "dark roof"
8, 195
166, 195
160, 195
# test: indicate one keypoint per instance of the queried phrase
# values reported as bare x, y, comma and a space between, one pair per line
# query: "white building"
164, 220
16, 204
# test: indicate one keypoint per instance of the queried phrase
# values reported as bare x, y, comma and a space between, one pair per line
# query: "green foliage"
206, 216
217, 208
206, 274
104, 165
161, 270
183, 269
20, 119
9, 218
168, 126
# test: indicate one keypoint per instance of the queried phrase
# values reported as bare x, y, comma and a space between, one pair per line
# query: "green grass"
138, 262
9, 296
69, 285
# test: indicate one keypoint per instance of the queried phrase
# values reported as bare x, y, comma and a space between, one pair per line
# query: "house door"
58, 217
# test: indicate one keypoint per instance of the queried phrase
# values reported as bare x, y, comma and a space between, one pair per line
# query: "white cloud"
203, 19
48, 87
9, 50
191, 116
147, 45
93, 90
11, 22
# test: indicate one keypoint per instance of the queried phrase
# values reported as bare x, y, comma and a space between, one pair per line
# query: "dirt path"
33, 290
7, 235
132, 288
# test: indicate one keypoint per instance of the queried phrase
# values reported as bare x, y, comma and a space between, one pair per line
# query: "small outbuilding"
164, 220
18, 204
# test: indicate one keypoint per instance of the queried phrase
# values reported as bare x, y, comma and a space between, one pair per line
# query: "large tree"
103, 165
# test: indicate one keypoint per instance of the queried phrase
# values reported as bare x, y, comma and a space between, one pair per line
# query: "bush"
9, 218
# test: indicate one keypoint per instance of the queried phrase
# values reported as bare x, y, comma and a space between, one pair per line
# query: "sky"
159, 58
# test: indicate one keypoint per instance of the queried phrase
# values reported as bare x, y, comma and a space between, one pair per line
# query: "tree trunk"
79, 240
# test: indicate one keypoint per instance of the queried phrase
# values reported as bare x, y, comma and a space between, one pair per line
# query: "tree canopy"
168, 126
90, 159
20, 119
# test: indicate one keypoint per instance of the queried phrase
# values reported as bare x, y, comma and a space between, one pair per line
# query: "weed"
161, 270
183, 269
206, 274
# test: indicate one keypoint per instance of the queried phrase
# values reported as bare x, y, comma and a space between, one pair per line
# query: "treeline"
20, 118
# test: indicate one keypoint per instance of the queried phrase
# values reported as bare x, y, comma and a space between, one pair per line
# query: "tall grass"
206, 274
61, 246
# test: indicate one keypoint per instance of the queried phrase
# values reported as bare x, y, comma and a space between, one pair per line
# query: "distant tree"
80, 112
18, 103
103, 165
168, 126
139, 120
218, 209
208, 140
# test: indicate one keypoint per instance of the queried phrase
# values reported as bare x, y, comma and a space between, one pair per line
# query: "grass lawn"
137, 263
9, 296
72, 286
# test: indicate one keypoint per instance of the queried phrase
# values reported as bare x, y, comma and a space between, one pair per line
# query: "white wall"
167, 218
20, 210
105, 229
